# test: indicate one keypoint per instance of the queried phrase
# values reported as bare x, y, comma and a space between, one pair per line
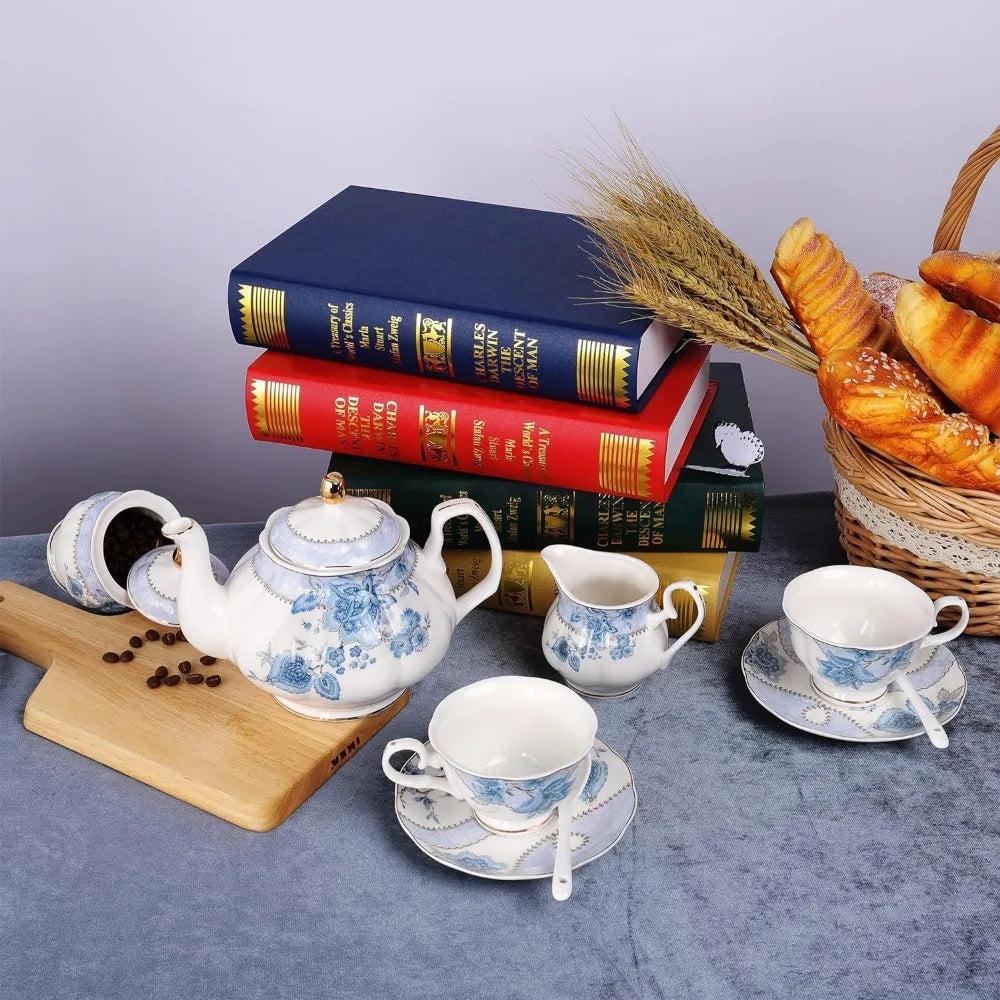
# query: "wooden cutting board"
231, 750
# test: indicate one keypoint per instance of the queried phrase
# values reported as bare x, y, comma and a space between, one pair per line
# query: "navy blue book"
480, 294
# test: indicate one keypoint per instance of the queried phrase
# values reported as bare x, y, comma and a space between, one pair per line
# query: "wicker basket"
891, 493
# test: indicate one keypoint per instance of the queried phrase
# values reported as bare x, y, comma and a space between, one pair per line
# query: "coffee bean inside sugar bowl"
130, 534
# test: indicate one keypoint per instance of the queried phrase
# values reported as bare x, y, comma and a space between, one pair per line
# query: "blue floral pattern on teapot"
356, 609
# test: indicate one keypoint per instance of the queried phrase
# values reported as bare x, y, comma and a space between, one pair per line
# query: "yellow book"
527, 586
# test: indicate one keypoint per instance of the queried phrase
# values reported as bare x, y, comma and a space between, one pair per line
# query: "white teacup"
855, 628
514, 748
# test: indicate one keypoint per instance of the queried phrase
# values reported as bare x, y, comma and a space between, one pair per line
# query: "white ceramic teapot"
335, 612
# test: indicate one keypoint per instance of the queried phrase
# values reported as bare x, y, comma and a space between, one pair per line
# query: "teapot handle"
669, 612
432, 550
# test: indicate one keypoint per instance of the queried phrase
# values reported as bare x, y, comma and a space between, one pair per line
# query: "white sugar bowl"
91, 550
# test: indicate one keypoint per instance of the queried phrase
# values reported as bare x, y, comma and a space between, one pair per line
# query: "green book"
706, 512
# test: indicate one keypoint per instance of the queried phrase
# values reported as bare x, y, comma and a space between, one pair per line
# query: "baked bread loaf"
973, 282
892, 406
826, 296
883, 288
959, 350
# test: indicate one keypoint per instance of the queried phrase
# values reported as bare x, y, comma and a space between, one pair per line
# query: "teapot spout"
201, 601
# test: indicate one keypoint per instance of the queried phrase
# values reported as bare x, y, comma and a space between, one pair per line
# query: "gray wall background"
148, 147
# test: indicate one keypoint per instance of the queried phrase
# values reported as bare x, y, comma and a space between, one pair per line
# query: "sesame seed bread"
892, 406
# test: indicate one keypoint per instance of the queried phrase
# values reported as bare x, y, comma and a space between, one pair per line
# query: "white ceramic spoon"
933, 728
562, 873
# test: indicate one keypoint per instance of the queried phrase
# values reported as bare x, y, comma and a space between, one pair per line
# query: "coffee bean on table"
180, 636
152, 635
110, 657
184, 666
169, 639
206, 660
153, 682
135, 642
194, 678
161, 672
126, 655
172, 680
214, 681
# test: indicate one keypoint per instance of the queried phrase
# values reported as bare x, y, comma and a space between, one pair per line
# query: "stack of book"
441, 348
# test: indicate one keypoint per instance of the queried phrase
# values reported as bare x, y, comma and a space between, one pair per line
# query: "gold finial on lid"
333, 489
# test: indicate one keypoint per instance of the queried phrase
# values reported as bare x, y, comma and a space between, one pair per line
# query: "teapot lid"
335, 533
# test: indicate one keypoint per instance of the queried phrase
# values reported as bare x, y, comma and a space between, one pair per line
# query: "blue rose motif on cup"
595, 781
488, 790
856, 667
290, 673
526, 797
544, 794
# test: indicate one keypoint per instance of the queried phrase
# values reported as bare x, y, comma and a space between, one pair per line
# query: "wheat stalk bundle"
655, 249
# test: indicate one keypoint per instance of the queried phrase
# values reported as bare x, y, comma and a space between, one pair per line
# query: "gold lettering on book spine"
375, 493
623, 464
262, 316
602, 373
730, 519
434, 346
555, 515
437, 436
276, 409
514, 593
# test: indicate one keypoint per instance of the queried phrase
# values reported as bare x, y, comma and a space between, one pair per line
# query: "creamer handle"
432, 550
669, 612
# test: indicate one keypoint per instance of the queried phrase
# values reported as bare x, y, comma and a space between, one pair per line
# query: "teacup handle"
956, 630
669, 613
426, 757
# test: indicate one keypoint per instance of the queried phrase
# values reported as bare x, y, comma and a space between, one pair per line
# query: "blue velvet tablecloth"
763, 862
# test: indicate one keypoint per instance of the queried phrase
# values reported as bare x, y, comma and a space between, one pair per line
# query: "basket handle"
963, 193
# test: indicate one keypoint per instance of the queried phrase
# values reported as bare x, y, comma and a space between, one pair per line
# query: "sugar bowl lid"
334, 533
154, 582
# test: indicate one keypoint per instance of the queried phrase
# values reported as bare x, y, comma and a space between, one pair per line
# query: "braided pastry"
973, 282
892, 406
826, 295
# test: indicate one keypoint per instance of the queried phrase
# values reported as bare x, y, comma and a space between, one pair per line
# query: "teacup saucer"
779, 681
444, 827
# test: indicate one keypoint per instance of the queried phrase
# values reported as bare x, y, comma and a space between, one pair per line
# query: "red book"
408, 418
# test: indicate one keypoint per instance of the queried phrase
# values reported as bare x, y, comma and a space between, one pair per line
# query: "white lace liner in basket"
931, 546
